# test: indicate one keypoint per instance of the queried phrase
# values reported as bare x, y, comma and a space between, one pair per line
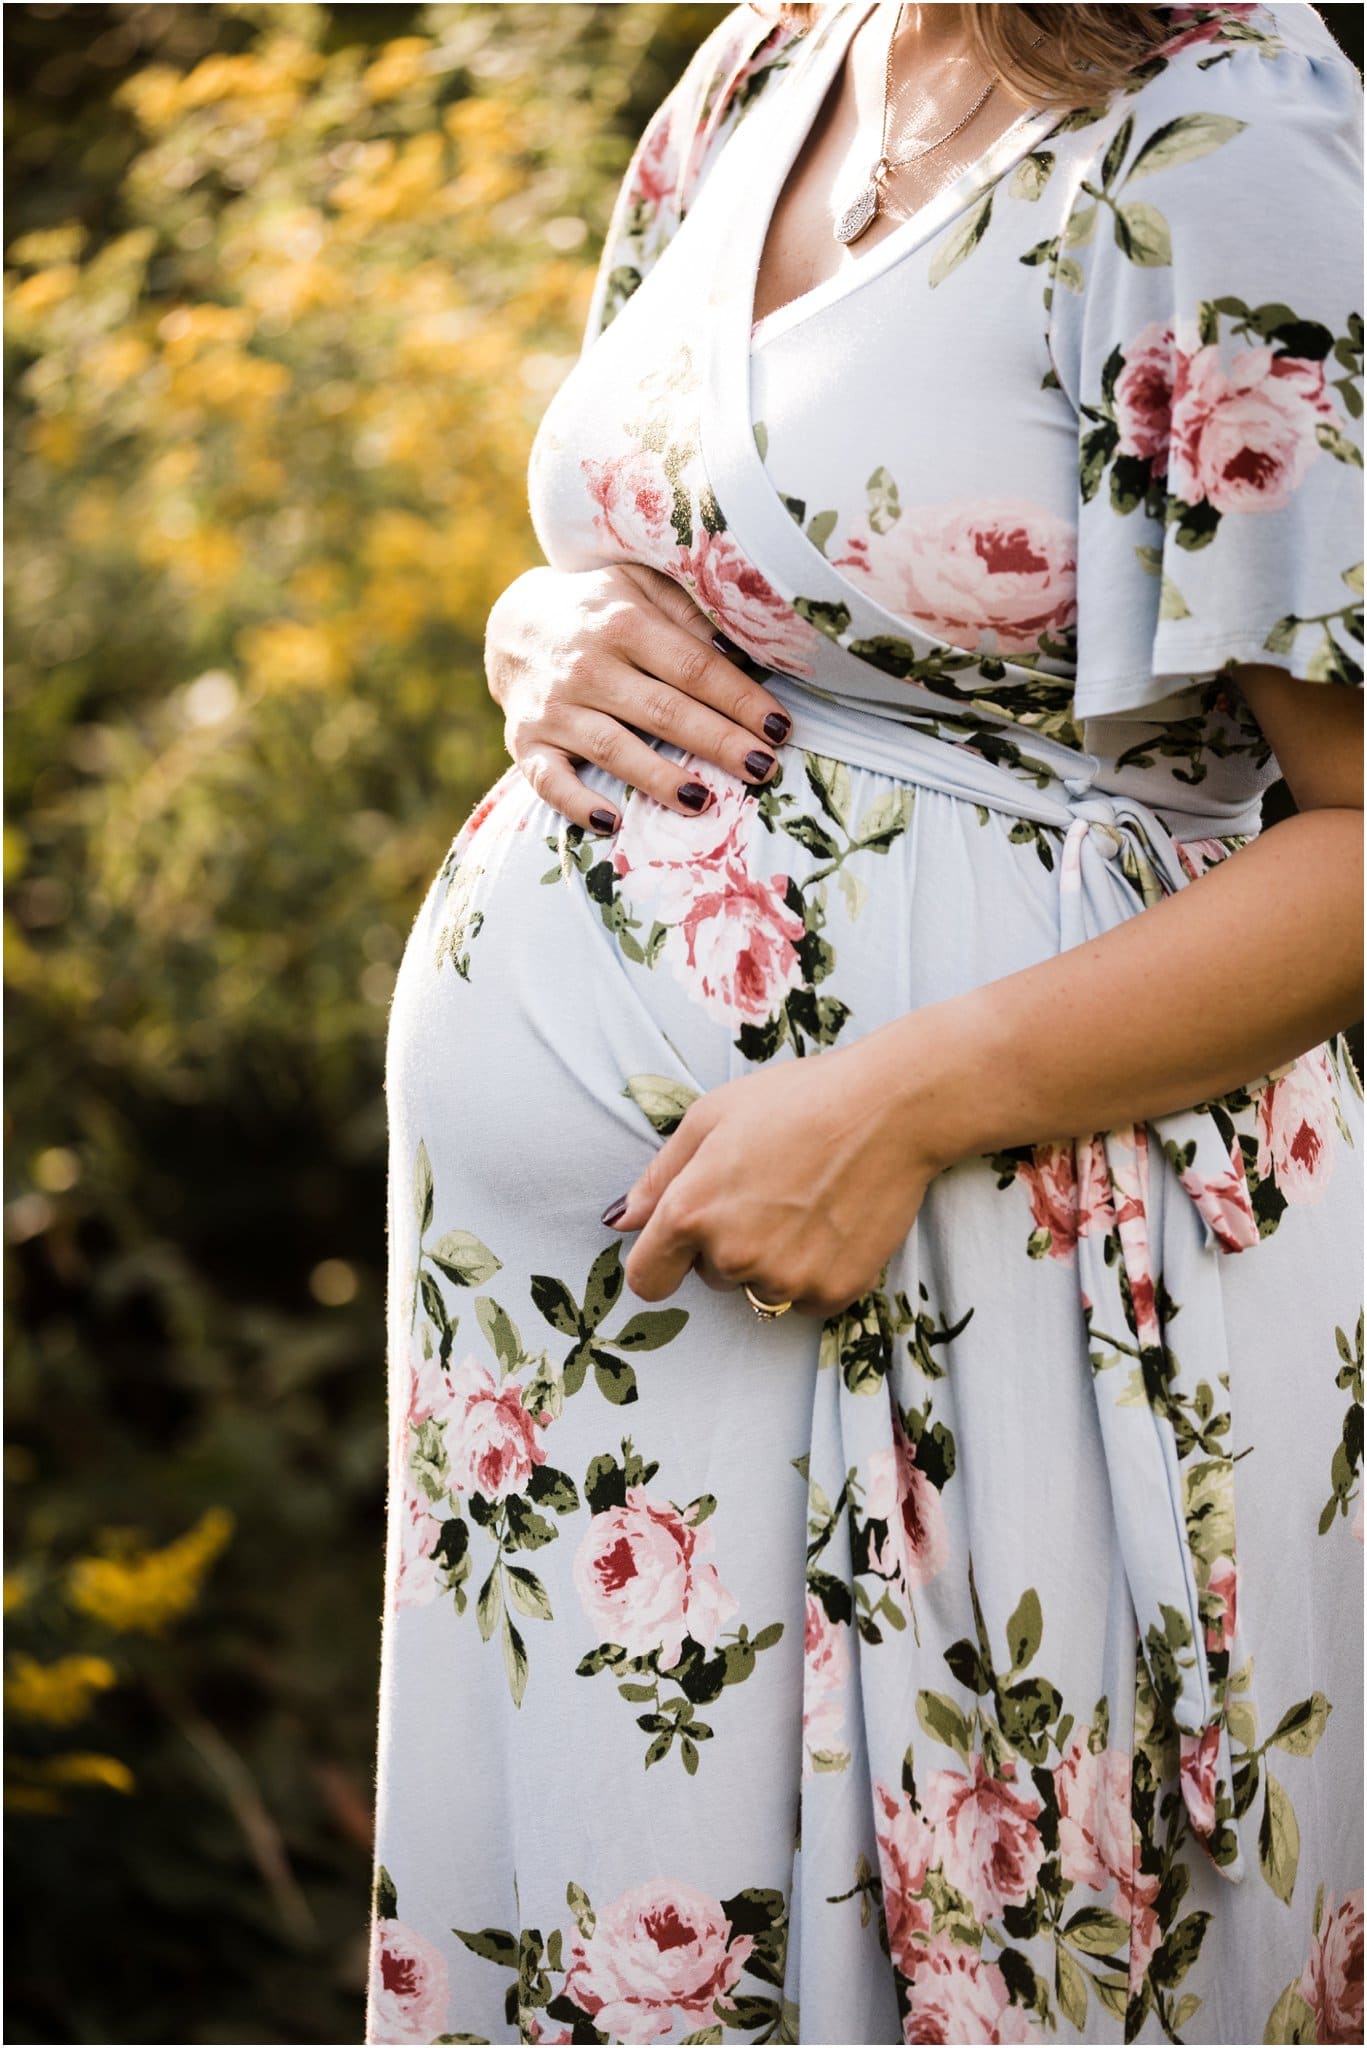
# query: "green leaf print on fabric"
1346, 1462
641, 1575
474, 1454
659, 1956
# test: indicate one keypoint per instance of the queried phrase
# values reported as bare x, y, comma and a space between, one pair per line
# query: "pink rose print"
1295, 1118
408, 1989
1201, 31
429, 1392
956, 1996
991, 575
1225, 1203
826, 1670
418, 1578
1070, 1191
1242, 440
634, 499
1222, 1588
491, 1439
906, 1847
749, 609
640, 1580
990, 1848
1094, 1833
740, 939
1197, 1770
1129, 1163
655, 172
1145, 1932
1196, 855
670, 859
900, 1494
657, 1958
1331, 1982
1143, 397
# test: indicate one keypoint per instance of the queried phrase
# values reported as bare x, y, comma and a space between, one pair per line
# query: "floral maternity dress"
985, 1664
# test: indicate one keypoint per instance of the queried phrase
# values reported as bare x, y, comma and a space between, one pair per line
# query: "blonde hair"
1087, 52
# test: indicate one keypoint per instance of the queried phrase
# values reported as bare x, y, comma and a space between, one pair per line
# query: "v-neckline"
952, 199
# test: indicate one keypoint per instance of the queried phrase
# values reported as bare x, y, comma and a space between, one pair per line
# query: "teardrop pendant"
857, 215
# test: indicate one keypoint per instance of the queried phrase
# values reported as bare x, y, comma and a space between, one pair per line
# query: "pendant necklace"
863, 209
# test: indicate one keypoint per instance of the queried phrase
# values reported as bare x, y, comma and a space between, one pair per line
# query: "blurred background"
287, 290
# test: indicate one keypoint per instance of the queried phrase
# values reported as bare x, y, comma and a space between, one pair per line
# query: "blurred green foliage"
287, 289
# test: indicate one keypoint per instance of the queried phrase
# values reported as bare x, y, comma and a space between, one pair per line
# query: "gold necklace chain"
863, 209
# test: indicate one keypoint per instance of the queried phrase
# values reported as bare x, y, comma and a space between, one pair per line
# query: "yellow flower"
57, 1693
16, 1585
45, 289
146, 1590
85, 1767
286, 655
400, 65
60, 244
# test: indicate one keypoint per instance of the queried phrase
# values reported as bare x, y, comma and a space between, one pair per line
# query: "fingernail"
729, 648
696, 795
605, 821
614, 1209
777, 727
757, 765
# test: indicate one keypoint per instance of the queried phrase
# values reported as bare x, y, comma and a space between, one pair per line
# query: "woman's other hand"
584, 662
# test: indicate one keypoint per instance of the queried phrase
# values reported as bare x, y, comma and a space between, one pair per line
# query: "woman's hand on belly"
793, 1179
584, 662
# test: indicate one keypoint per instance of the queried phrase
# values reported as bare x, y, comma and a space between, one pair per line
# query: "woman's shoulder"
1272, 65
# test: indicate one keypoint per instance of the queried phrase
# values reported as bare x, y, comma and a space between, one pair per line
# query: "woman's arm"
803, 1178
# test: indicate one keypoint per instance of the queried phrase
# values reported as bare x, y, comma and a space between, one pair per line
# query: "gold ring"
766, 1310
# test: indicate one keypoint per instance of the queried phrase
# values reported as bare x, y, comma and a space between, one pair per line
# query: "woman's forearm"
1252, 963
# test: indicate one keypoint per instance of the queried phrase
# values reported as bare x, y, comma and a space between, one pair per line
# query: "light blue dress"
984, 1665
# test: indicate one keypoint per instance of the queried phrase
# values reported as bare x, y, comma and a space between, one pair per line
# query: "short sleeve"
677, 148
1206, 323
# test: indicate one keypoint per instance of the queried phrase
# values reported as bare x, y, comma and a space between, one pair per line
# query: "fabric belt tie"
1165, 1426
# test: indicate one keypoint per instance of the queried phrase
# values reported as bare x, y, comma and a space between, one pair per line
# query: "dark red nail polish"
696, 796
614, 1209
606, 821
729, 648
757, 765
777, 727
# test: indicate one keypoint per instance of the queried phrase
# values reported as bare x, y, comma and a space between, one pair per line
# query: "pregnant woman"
875, 1372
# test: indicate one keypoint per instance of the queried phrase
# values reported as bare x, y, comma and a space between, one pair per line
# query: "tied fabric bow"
1166, 1427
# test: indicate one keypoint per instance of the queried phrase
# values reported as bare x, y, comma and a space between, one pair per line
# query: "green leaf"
1071, 1986
604, 1284
960, 242
527, 1593
1291, 2018
1032, 175
490, 1604
558, 1306
943, 1720
385, 1897
1025, 1629
661, 1101
1279, 1840
829, 781
1182, 141
1353, 578
492, 1943
1097, 1932
577, 1899
1281, 638
464, 1259
615, 1379
814, 837
885, 507
649, 1330
820, 527
500, 1331
422, 1188
514, 1659
885, 820
552, 1489
1182, 1945
1142, 232
1171, 603
1301, 1726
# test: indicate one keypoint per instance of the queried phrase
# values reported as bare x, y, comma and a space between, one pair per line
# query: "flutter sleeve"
1205, 321
680, 143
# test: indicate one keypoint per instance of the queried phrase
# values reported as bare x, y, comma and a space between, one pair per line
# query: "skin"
803, 1178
